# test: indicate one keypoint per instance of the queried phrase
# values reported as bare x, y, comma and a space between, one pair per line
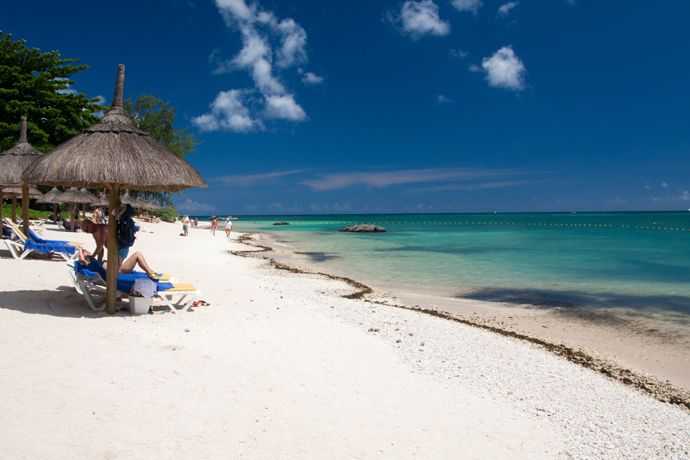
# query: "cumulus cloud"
310, 78
228, 113
284, 107
505, 69
467, 5
268, 43
420, 18
505, 9
384, 179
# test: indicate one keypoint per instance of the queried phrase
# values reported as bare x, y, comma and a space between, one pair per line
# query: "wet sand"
654, 345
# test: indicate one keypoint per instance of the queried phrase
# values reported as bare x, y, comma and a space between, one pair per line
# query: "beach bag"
126, 230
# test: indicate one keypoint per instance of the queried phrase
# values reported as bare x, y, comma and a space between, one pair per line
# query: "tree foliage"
157, 117
37, 84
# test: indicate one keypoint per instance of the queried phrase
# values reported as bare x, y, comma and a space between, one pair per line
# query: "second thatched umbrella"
13, 163
116, 155
75, 198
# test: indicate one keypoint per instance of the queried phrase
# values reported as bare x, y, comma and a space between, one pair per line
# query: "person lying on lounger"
128, 266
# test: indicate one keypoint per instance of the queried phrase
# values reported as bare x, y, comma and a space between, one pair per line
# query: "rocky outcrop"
281, 223
363, 228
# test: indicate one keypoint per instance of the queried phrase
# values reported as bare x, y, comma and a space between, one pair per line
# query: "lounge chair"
21, 246
91, 283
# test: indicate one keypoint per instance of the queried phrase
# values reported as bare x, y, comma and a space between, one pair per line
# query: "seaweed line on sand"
662, 391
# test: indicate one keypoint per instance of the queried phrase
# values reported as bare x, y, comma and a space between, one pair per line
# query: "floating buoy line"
470, 223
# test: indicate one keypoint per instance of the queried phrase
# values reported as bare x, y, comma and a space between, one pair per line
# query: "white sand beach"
280, 366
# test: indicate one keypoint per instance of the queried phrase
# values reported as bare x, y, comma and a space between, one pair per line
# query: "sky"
306, 106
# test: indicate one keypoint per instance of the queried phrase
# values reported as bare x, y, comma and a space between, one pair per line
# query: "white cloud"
310, 78
248, 180
384, 179
266, 40
664, 184
443, 99
419, 18
194, 207
284, 107
489, 185
505, 9
505, 70
294, 43
685, 195
228, 113
458, 53
467, 5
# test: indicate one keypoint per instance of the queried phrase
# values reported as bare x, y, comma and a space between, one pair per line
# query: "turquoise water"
629, 260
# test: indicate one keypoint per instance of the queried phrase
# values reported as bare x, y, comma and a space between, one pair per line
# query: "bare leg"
136, 259
98, 253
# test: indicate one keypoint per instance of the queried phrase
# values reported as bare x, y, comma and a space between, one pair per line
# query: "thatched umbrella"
51, 197
139, 202
76, 197
101, 202
116, 155
13, 163
18, 191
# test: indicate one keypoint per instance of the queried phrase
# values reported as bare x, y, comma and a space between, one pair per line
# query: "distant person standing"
98, 216
214, 225
185, 226
228, 227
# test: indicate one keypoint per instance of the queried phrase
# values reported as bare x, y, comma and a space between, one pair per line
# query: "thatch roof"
50, 196
13, 162
17, 191
115, 152
76, 196
140, 202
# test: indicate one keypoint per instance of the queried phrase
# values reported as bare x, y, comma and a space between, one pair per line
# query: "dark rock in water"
281, 223
363, 228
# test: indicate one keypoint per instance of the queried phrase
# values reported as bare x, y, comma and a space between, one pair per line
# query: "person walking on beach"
228, 227
185, 226
214, 225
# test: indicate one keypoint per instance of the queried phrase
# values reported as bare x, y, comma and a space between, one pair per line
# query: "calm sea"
629, 260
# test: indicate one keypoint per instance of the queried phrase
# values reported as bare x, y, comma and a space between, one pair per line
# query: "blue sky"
406, 106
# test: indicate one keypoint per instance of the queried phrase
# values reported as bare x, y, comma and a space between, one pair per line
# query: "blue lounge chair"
89, 281
21, 246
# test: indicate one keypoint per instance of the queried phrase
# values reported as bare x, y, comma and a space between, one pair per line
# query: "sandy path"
280, 367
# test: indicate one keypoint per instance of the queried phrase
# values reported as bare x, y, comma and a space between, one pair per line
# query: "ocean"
628, 260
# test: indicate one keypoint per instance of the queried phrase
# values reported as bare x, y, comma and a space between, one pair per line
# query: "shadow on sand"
594, 307
63, 302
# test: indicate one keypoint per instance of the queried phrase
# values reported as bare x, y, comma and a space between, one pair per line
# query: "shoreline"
665, 392
281, 365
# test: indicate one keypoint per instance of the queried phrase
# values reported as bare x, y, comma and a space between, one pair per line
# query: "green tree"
157, 117
37, 84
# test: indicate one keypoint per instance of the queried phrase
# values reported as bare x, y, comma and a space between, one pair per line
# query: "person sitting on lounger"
100, 236
137, 259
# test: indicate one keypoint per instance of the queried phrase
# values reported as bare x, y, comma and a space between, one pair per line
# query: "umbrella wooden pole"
113, 260
14, 208
25, 208
2, 203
